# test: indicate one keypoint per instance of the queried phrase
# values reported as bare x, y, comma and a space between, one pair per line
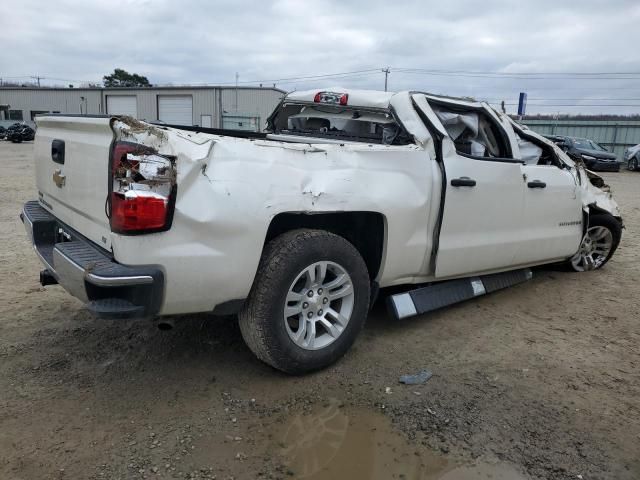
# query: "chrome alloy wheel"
594, 249
318, 305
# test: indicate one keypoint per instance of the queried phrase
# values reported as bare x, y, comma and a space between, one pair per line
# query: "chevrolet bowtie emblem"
59, 178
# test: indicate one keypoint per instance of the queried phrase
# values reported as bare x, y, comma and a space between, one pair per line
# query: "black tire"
610, 223
262, 318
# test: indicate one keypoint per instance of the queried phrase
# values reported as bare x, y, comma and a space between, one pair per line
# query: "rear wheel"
598, 243
308, 302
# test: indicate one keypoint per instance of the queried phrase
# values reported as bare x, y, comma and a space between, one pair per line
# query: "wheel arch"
593, 209
365, 230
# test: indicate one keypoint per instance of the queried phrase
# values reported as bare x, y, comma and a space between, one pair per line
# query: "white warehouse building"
240, 108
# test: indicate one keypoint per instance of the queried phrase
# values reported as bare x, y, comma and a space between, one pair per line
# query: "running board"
443, 294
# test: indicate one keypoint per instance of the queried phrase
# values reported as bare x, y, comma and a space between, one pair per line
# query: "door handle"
463, 182
536, 184
57, 151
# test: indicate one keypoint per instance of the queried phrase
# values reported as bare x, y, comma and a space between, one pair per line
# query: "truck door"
481, 227
552, 215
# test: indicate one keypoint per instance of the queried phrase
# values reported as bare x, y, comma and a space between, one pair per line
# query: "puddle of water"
334, 443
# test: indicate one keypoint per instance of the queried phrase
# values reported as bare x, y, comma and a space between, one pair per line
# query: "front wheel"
308, 302
598, 243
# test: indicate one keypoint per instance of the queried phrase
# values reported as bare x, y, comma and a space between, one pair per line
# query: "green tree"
122, 78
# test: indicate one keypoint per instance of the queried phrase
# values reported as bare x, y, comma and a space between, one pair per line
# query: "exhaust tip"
47, 278
165, 325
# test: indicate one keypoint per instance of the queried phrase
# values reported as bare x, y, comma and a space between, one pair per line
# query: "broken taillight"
142, 189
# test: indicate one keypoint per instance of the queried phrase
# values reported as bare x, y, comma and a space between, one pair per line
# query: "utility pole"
386, 76
38, 79
237, 90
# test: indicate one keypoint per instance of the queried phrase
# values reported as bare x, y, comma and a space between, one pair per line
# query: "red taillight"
331, 98
137, 213
143, 189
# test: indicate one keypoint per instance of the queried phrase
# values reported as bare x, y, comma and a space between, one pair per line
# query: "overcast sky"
189, 42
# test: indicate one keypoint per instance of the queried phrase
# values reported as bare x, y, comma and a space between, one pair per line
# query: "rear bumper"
89, 273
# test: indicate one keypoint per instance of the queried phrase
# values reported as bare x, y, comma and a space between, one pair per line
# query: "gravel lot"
538, 381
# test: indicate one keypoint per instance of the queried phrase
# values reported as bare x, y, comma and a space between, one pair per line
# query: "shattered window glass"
472, 132
340, 123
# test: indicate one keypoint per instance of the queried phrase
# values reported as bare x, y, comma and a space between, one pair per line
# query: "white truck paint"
230, 189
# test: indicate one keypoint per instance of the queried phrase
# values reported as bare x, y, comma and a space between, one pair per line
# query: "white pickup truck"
296, 229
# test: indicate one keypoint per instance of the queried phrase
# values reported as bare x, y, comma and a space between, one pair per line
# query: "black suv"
594, 156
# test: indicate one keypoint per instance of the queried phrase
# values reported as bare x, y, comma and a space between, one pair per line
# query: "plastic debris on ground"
417, 379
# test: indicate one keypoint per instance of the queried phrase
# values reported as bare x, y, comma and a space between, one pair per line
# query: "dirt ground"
538, 381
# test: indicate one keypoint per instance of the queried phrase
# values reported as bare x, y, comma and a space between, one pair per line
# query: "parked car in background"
594, 155
632, 157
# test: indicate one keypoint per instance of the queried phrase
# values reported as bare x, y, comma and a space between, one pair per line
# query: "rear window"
340, 123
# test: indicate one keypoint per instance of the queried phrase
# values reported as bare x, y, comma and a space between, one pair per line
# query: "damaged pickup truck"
297, 229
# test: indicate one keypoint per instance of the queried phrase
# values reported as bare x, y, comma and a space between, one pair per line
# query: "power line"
301, 79
497, 72
501, 73
577, 105
495, 76
573, 104
415, 71
359, 75
570, 99
313, 77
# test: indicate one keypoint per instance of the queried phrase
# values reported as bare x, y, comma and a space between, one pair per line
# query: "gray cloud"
207, 42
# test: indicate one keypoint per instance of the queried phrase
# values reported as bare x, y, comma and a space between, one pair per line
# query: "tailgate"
74, 188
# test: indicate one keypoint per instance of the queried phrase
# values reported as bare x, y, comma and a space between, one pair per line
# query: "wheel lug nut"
320, 312
325, 300
310, 293
305, 305
310, 314
319, 291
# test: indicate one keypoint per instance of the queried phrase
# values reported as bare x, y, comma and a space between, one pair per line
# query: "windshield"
340, 123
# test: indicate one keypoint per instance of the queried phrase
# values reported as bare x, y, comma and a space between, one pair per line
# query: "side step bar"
439, 295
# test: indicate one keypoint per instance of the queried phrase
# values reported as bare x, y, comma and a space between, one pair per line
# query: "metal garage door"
122, 105
175, 109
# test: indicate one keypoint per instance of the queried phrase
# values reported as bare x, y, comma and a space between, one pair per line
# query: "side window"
473, 132
15, 115
533, 152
